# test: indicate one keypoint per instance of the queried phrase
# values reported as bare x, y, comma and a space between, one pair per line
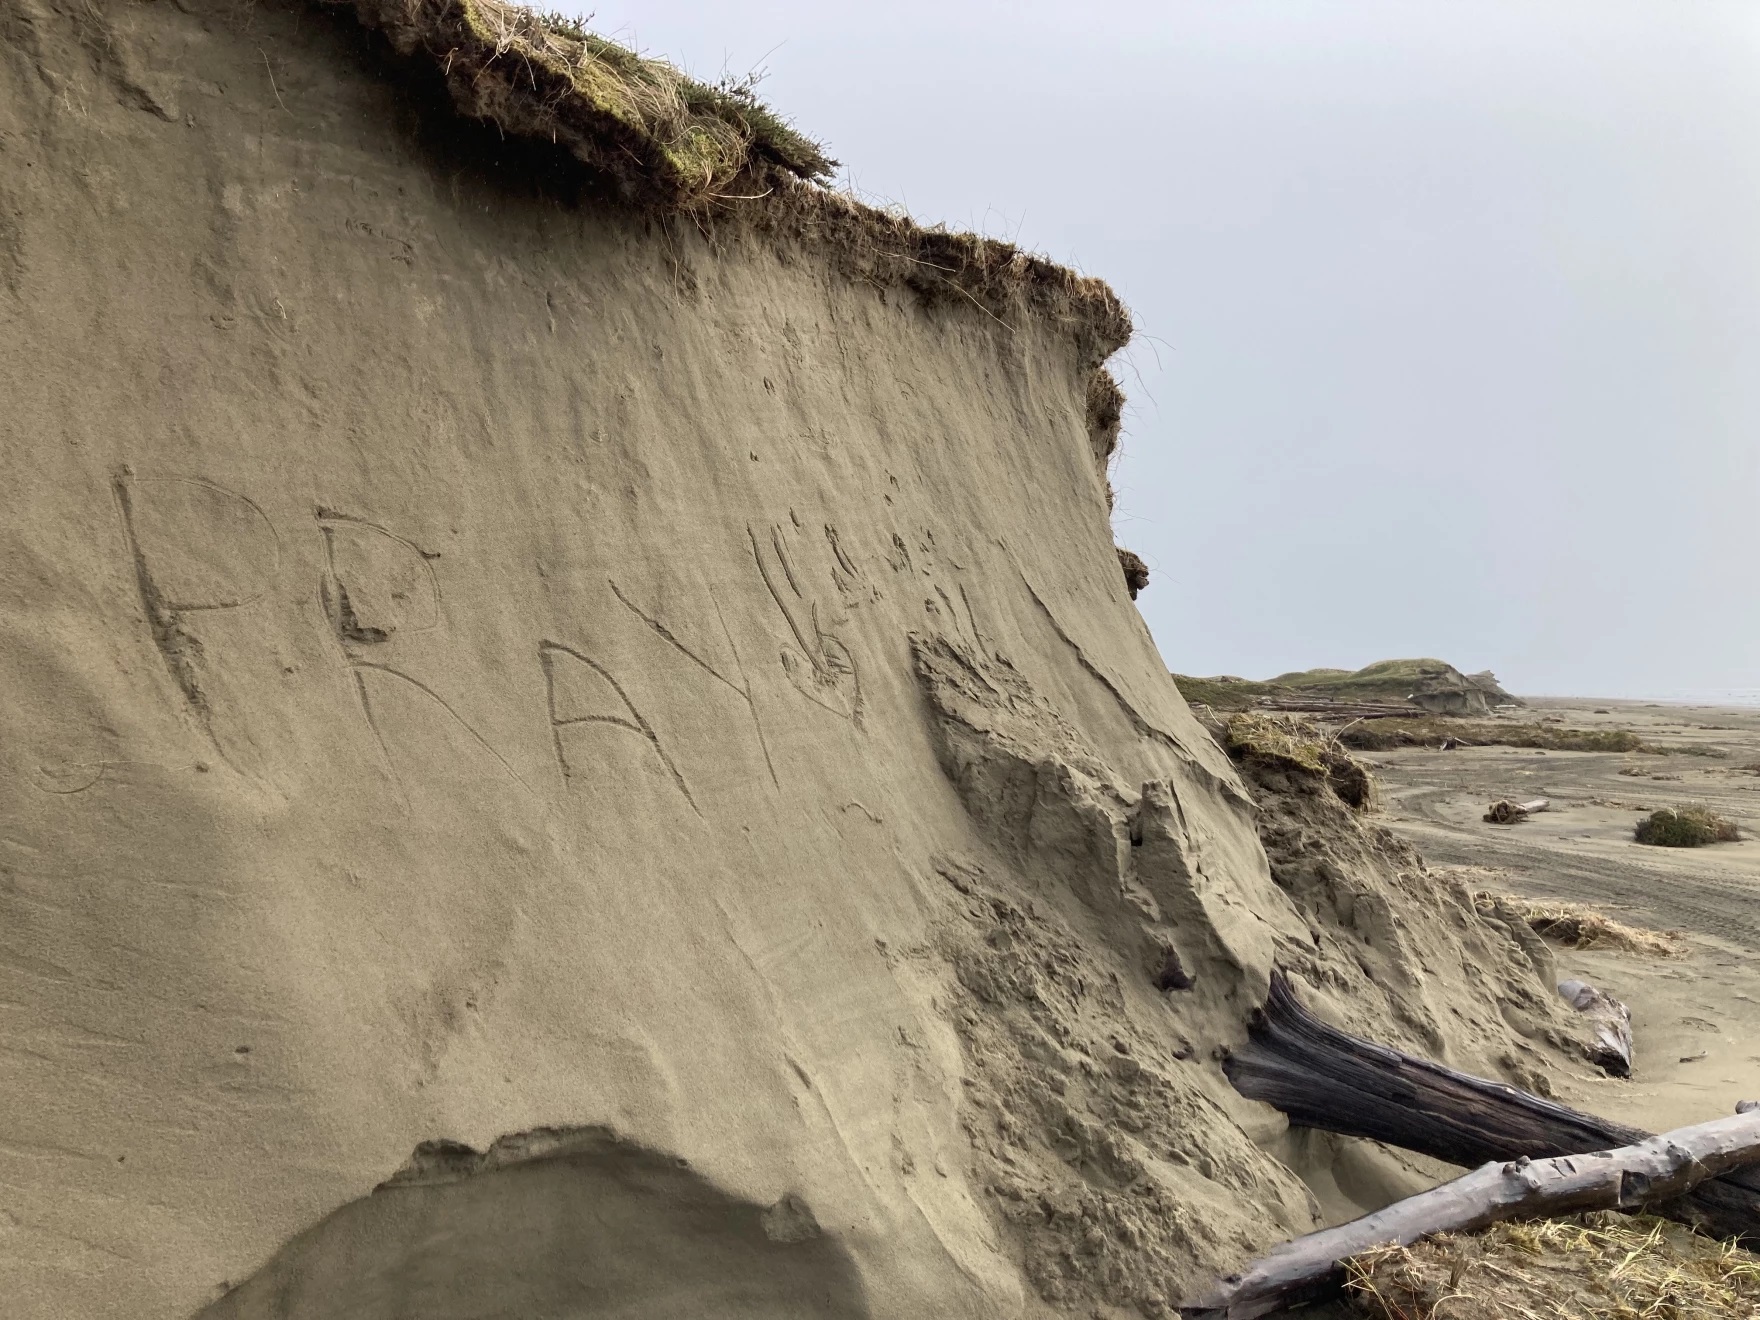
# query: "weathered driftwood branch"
1328, 1079
1611, 1021
1656, 1169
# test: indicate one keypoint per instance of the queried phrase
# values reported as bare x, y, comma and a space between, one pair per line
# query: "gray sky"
1448, 312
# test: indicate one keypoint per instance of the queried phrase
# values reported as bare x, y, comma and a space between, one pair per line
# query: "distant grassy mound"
1432, 685
1685, 827
1385, 679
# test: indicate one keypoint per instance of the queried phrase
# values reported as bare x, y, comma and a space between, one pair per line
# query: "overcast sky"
1448, 312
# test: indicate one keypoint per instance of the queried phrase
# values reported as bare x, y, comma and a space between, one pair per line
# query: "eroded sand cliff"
644, 715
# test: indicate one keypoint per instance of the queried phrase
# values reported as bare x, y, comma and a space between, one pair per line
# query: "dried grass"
1600, 1266
1580, 926
638, 120
667, 144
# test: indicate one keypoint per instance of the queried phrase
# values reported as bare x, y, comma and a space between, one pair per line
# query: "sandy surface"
1696, 1018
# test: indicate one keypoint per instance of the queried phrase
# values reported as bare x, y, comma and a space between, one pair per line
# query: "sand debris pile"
1361, 887
1096, 1141
1065, 1053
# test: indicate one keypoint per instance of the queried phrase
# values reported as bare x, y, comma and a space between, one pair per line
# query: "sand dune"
642, 713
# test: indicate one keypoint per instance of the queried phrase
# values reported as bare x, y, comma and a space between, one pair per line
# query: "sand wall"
654, 728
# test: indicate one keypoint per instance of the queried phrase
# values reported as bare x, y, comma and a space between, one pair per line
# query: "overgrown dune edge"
569, 754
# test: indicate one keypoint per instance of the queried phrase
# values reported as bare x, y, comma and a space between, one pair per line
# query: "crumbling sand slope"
574, 760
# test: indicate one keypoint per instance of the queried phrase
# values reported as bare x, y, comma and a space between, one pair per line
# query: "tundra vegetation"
1685, 827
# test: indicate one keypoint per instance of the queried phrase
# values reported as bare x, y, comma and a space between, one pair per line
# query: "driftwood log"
1324, 1078
1611, 1022
1359, 710
1657, 1169
1505, 812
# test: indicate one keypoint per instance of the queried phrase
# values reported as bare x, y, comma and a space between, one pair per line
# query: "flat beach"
1695, 1016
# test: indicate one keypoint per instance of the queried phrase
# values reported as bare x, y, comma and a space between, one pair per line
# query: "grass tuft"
637, 120
1685, 827
1288, 743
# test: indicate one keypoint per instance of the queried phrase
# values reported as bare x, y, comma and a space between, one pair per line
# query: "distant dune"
1432, 685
